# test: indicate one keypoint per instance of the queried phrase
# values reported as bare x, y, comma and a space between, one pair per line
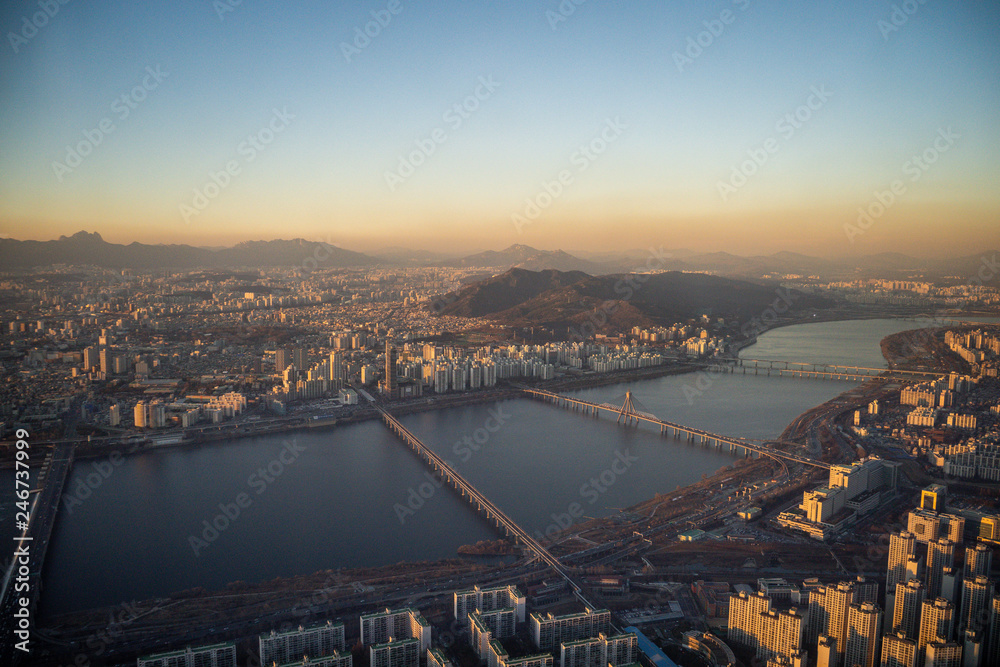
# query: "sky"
743, 126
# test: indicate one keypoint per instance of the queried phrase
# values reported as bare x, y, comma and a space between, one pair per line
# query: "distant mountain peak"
92, 237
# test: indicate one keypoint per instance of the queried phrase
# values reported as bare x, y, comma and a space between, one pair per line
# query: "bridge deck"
679, 428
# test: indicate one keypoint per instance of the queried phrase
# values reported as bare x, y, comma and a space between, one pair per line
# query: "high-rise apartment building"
940, 555
978, 561
215, 655
909, 600
549, 631
600, 651
315, 641
899, 650
863, 628
488, 599
977, 594
828, 612
395, 653
770, 633
937, 619
379, 627
943, 654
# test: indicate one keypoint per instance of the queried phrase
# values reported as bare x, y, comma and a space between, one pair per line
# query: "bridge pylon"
628, 410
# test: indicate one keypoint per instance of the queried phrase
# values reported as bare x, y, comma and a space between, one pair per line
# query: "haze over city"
318, 120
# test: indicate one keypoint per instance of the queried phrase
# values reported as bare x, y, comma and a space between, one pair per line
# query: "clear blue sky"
665, 175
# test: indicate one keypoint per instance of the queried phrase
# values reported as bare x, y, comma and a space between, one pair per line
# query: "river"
355, 496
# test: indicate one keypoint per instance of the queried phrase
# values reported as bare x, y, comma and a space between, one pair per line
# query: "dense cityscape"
490, 334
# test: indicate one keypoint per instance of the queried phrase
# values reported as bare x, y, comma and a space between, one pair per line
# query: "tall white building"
549, 631
770, 633
937, 619
906, 612
617, 651
315, 641
899, 650
380, 627
215, 655
977, 594
863, 628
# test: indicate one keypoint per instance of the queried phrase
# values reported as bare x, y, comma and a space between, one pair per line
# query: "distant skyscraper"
901, 547
337, 371
898, 651
978, 561
865, 590
906, 612
390, 368
91, 358
300, 357
282, 360
940, 554
937, 619
830, 609
863, 625
976, 597
993, 638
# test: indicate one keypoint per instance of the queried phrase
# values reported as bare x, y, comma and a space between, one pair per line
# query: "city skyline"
736, 127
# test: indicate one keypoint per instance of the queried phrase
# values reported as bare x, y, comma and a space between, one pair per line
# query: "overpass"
627, 414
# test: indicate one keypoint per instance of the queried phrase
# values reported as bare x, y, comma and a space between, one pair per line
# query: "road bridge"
475, 498
626, 414
783, 368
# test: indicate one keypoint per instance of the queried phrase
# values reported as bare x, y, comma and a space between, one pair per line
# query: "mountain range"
90, 248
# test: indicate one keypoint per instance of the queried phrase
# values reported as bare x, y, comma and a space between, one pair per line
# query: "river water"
355, 496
